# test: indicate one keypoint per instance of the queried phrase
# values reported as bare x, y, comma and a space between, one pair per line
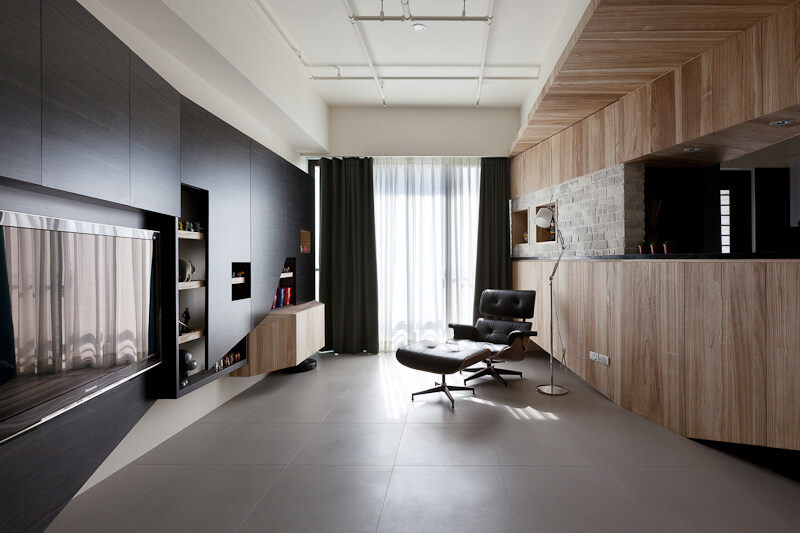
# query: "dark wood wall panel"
42, 469
20, 90
155, 115
282, 203
216, 157
85, 101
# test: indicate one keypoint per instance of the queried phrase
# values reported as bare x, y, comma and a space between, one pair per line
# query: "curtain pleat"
348, 270
493, 266
426, 214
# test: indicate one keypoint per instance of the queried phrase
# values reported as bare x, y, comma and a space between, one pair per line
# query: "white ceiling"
227, 56
321, 31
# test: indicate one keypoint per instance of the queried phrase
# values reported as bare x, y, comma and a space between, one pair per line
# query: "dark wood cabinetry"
85, 104
155, 143
282, 204
20, 91
216, 157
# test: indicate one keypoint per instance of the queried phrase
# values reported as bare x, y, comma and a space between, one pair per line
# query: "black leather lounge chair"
499, 332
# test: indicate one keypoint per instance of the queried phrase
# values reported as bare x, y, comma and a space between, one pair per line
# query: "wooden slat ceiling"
620, 45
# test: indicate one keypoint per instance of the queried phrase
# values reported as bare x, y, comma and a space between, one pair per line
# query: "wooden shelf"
238, 281
287, 275
191, 235
194, 284
192, 335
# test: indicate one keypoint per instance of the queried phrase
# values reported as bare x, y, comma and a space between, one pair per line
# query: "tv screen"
78, 304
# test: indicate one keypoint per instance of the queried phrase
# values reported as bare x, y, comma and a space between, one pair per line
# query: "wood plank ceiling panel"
620, 45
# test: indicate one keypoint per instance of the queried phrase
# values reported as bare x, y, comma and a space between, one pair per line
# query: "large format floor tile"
446, 498
344, 499
351, 444
447, 444
198, 498
96, 507
570, 499
343, 448
696, 499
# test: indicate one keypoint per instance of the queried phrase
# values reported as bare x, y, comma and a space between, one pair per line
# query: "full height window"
426, 221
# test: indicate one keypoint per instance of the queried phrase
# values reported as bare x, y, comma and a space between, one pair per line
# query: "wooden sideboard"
286, 337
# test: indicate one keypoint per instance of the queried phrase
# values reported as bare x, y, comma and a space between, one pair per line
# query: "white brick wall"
601, 213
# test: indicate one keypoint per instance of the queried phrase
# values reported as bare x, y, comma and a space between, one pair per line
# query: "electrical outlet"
599, 358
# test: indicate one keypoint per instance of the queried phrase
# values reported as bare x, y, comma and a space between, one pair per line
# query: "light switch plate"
599, 358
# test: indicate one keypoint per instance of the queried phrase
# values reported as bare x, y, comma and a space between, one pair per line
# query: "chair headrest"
507, 303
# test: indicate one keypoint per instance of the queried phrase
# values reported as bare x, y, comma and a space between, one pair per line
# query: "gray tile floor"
343, 448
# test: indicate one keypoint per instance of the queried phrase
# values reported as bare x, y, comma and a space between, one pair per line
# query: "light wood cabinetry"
708, 349
721, 101
783, 355
285, 338
725, 352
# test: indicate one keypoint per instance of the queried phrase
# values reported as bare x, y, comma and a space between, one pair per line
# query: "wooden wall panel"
736, 80
521, 173
780, 59
708, 349
580, 149
601, 325
783, 355
531, 171
563, 157
663, 113
724, 357
651, 336
634, 124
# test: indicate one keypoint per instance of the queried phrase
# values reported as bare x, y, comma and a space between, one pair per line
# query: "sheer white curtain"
426, 221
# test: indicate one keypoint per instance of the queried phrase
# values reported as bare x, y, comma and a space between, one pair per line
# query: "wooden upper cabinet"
85, 104
780, 59
634, 124
20, 91
155, 141
663, 112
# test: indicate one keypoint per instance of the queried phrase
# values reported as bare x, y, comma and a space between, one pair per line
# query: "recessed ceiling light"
418, 26
692, 149
782, 122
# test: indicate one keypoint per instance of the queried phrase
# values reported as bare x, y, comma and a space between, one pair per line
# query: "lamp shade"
543, 217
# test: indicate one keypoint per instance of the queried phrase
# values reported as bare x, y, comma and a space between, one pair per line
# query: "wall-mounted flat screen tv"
78, 314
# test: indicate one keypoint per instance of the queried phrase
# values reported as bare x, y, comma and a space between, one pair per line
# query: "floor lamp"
544, 218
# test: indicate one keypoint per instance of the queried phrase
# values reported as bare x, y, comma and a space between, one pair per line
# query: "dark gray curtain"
493, 268
8, 366
348, 263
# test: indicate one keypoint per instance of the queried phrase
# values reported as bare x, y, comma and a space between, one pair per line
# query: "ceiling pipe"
373, 18
361, 42
483, 53
428, 78
288, 47
406, 9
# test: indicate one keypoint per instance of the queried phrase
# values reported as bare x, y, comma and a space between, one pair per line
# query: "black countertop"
651, 257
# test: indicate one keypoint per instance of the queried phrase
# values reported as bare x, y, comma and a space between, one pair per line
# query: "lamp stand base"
552, 390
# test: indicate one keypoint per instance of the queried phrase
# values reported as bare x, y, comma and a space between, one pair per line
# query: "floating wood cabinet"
285, 338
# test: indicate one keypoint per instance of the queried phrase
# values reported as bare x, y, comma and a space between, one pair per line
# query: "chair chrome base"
552, 390
493, 371
445, 388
